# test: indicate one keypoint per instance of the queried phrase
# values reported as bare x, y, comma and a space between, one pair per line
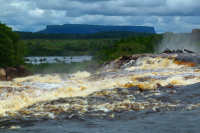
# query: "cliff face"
85, 29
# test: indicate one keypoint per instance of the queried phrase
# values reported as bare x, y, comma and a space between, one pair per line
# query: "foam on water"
21, 93
155, 63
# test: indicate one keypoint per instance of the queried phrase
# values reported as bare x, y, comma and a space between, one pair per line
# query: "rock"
135, 57
113, 65
2, 74
109, 65
126, 57
168, 51
21, 70
27, 73
91, 68
11, 73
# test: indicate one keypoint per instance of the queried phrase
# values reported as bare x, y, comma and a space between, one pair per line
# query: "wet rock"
158, 84
135, 57
91, 68
2, 74
125, 57
189, 93
119, 110
169, 86
11, 73
113, 65
108, 65
188, 51
127, 64
168, 51
133, 88
21, 70
27, 73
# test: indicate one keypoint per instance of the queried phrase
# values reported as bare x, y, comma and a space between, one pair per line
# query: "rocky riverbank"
126, 61
9, 73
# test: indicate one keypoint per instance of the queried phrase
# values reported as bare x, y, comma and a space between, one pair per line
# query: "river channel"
55, 59
151, 95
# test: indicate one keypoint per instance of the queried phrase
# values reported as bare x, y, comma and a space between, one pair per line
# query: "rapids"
153, 85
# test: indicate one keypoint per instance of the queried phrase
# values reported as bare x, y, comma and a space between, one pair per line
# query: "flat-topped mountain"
85, 29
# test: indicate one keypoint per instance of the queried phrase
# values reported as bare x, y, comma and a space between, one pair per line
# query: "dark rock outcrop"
27, 73
180, 57
21, 70
9, 73
91, 68
168, 51
2, 74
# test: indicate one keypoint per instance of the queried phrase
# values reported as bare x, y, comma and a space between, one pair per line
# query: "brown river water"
151, 95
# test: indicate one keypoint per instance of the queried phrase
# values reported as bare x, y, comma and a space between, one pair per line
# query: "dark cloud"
164, 15
144, 3
90, 1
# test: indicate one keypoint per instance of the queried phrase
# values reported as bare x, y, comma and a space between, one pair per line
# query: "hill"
86, 29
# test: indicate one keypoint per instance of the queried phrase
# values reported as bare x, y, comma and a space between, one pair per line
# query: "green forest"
132, 45
42, 44
104, 46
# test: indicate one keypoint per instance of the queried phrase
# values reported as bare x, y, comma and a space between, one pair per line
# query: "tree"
56, 59
71, 58
44, 60
41, 60
35, 61
11, 49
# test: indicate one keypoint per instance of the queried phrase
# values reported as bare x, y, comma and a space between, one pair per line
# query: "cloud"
164, 15
144, 3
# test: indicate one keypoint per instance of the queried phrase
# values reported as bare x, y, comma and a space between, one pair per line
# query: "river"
55, 59
152, 95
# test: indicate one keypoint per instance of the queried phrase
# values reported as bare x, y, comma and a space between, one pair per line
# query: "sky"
179, 16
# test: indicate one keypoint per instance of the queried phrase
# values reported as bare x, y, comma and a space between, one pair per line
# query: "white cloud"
36, 13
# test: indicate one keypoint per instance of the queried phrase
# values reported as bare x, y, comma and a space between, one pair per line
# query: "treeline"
156, 43
98, 35
43, 47
132, 45
42, 44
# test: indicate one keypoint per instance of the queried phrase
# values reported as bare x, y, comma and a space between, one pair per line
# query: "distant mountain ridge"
86, 29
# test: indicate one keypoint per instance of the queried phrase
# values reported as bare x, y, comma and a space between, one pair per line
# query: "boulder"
21, 70
109, 65
27, 73
11, 73
91, 68
126, 57
2, 74
114, 65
